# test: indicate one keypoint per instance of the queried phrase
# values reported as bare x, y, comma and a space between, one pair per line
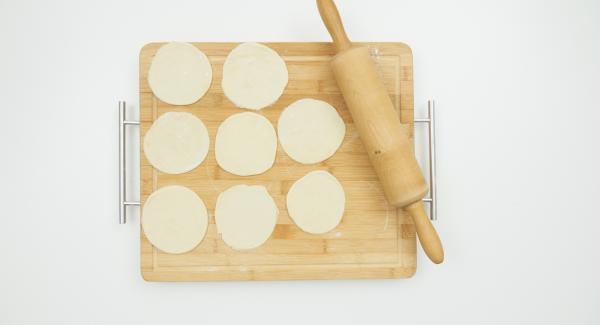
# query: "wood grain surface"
374, 240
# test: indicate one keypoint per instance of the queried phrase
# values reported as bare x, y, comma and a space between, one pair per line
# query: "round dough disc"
316, 202
254, 76
176, 143
310, 130
174, 219
245, 216
179, 74
246, 144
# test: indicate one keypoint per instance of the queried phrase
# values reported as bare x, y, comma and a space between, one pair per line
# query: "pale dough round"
174, 219
310, 130
254, 76
177, 142
316, 202
246, 144
245, 216
179, 74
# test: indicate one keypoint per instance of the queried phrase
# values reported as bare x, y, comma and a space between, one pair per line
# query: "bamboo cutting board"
372, 241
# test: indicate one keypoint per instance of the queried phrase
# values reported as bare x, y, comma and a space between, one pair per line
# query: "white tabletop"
516, 85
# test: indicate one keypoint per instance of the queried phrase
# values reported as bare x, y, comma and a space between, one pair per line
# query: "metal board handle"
123, 203
430, 121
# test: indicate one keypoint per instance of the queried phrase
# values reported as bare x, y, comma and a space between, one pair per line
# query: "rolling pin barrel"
383, 136
381, 132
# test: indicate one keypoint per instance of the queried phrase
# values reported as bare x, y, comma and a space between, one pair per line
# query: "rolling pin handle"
333, 22
123, 203
428, 237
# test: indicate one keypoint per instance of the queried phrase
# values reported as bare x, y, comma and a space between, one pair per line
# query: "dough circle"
310, 130
245, 216
246, 144
179, 74
316, 202
254, 76
174, 219
177, 142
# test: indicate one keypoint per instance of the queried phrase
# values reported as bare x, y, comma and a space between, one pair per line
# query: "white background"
516, 83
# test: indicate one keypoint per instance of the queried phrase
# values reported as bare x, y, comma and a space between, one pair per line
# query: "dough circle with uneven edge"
254, 76
246, 144
316, 202
180, 74
177, 142
245, 216
310, 130
174, 219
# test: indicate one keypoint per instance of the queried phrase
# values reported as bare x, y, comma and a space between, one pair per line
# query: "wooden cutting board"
372, 241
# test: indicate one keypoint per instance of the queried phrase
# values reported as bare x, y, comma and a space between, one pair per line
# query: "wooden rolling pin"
382, 134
